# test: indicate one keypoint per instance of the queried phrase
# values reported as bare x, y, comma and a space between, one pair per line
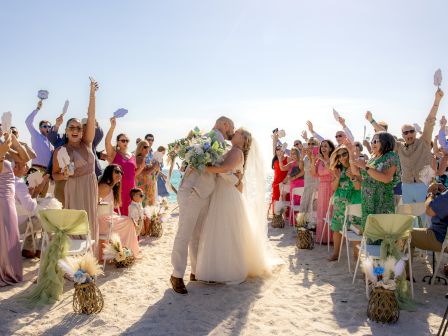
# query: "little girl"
135, 209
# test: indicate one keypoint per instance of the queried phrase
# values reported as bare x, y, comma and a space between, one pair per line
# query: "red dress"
279, 176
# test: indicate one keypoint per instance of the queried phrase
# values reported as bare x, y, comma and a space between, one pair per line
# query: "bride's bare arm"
231, 161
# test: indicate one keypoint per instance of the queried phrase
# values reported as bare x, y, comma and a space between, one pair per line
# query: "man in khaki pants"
194, 199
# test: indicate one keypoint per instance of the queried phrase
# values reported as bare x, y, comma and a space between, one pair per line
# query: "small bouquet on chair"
87, 298
114, 250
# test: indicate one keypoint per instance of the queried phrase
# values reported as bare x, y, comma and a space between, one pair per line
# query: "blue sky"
266, 64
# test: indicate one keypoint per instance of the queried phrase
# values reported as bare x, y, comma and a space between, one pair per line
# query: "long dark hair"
108, 178
387, 142
330, 143
118, 138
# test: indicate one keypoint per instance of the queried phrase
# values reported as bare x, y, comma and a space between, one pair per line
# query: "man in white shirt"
23, 199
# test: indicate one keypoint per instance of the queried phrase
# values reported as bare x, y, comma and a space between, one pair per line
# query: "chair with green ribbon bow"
57, 226
391, 229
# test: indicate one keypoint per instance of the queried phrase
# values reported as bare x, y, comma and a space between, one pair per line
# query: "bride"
233, 244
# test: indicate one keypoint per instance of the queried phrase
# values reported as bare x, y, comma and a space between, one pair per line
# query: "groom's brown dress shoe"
178, 285
192, 277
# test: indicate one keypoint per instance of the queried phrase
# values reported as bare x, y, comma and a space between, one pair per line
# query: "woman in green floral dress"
346, 191
379, 177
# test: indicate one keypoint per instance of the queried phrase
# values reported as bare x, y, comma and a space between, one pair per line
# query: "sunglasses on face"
118, 171
124, 140
296, 144
75, 128
141, 195
45, 126
343, 154
339, 135
408, 132
149, 139
145, 147
375, 141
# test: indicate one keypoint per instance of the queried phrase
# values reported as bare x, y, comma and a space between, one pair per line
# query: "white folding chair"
373, 251
29, 231
293, 208
347, 234
105, 209
327, 223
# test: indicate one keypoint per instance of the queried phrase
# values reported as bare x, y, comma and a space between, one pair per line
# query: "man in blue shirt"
432, 238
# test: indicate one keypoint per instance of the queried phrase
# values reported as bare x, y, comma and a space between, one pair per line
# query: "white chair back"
414, 209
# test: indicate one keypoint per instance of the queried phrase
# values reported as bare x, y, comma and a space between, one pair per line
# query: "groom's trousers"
192, 213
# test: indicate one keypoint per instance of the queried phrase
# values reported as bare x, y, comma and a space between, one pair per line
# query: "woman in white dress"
233, 243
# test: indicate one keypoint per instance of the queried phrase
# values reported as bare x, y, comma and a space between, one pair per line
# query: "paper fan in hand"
63, 158
438, 77
336, 115
42, 94
121, 112
6, 121
34, 179
418, 129
65, 108
158, 156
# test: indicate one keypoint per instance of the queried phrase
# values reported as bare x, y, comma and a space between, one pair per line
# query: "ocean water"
176, 177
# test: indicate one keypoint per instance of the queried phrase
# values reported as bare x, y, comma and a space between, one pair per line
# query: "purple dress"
10, 256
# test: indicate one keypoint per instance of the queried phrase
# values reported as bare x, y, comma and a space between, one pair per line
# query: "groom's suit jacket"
202, 183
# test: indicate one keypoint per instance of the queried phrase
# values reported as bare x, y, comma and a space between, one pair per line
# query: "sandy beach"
306, 296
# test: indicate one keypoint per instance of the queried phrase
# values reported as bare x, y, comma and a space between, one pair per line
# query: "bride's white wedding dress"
231, 246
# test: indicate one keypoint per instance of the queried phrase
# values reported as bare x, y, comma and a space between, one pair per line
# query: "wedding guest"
57, 141
379, 176
150, 140
109, 190
414, 153
295, 169
443, 141
121, 156
26, 201
346, 187
147, 178
279, 175
81, 188
310, 183
161, 177
341, 136
28, 149
320, 168
40, 143
135, 211
10, 256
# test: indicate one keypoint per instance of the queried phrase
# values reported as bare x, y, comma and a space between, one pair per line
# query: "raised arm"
232, 160
19, 152
311, 129
442, 136
431, 118
274, 142
375, 125
90, 127
347, 131
110, 150
53, 135
29, 121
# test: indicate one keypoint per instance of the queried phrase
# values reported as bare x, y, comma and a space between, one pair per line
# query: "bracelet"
372, 121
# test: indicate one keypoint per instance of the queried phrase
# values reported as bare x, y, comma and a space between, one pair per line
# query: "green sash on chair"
61, 223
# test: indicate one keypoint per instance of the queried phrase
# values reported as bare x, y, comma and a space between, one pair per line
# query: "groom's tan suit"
193, 198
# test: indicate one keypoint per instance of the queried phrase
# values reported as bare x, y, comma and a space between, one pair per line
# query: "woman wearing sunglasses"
109, 191
81, 188
346, 187
147, 179
120, 155
379, 176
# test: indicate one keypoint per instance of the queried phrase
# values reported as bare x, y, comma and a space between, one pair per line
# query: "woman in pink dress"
322, 172
109, 190
295, 173
119, 155
10, 255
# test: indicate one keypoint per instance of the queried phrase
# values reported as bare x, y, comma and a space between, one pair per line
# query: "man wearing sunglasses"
40, 143
150, 139
415, 153
340, 136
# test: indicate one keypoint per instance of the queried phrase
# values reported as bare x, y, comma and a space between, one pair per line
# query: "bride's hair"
247, 143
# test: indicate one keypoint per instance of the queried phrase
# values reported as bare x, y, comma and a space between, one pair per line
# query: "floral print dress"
344, 194
378, 197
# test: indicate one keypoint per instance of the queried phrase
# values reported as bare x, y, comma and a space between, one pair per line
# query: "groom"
194, 199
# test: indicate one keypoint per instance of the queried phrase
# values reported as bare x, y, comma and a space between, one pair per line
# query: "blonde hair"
139, 149
247, 143
334, 160
295, 150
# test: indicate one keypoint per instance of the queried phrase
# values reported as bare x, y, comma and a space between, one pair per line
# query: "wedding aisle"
307, 296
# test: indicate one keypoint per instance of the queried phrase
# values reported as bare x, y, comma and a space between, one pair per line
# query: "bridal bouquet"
178, 147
